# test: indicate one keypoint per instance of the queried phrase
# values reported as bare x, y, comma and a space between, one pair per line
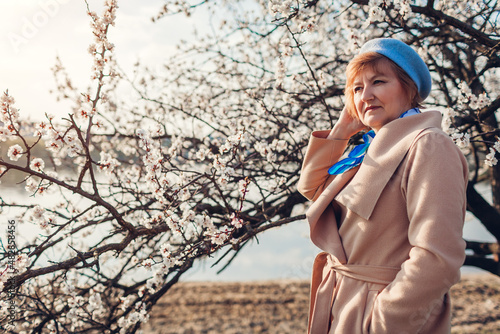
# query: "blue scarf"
357, 154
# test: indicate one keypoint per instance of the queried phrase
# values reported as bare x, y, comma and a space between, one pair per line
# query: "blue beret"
406, 58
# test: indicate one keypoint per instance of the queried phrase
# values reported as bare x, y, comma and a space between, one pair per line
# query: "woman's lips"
371, 108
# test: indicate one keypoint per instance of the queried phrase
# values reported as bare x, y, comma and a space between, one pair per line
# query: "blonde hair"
372, 61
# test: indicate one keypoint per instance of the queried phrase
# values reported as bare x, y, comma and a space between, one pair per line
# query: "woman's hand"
346, 126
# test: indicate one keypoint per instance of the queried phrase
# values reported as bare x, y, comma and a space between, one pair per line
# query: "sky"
34, 32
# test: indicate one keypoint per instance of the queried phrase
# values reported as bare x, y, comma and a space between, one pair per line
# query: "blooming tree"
152, 170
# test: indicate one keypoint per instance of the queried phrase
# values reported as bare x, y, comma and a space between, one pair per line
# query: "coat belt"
324, 281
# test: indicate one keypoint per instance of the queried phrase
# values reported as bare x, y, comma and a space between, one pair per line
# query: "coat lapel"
385, 154
321, 217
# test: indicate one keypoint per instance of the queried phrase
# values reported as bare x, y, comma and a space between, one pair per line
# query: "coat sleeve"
434, 184
320, 155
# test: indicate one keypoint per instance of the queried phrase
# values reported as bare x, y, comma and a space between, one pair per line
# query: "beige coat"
391, 230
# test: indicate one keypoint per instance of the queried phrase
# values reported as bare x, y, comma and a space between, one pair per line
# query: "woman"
390, 219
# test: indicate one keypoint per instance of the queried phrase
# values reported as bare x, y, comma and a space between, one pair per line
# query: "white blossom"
202, 153
321, 78
476, 102
480, 101
236, 221
220, 237
126, 302
95, 302
184, 194
21, 263
356, 39
4, 135
496, 146
206, 222
225, 147
243, 186
148, 263
491, 160
376, 14
404, 8
15, 152
37, 213
31, 185
461, 139
280, 8
173, 224
279, 145
286, 46
7, 99
280, 73
37, 164
108, 163
54, 141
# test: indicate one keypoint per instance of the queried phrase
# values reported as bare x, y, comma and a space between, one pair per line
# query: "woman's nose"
367, 94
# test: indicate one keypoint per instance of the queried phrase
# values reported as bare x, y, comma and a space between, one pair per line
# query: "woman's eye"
357, 89
378, 82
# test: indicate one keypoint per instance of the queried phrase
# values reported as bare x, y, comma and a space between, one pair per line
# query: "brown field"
281, 307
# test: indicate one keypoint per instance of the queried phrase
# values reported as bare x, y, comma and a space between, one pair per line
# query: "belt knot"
363, 272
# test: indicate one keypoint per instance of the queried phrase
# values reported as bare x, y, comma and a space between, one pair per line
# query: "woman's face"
379, 96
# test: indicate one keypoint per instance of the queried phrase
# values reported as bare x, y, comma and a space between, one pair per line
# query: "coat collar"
385, 154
